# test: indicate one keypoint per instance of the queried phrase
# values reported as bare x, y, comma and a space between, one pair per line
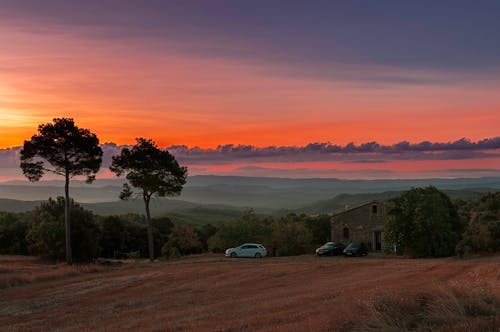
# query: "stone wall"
361, 224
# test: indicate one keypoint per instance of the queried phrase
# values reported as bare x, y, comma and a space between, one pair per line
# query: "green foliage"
123, 234
291, 237
183, 239
114, 236
13, 228
64, 149
150, 169
423, 222
46, 235
204, 233
248, 228
68, 149
320, 228
483, 231
162, 227
153, 172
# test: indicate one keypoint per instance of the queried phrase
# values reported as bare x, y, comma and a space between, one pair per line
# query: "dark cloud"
370, 152
371, 157
365, 153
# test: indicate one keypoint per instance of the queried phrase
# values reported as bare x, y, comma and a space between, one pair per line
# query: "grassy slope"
211, 293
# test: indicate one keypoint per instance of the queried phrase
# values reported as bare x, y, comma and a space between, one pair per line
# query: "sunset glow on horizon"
205, 74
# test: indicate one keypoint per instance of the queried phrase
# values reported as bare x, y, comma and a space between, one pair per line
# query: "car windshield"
354, 246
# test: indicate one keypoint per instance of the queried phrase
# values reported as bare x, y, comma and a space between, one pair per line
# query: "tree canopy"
483, 230
150, 170
67, 149
423, 222
64, 149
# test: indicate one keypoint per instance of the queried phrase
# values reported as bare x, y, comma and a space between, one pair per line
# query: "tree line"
41, 232
422, 222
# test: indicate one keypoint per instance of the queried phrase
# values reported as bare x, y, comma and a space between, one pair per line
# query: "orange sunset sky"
263, 74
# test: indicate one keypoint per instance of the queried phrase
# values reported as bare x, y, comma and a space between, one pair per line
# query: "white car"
247, 250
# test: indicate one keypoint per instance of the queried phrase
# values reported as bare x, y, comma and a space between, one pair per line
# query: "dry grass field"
213, 293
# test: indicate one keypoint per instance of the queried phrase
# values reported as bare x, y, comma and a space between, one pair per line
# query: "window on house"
346, 233
374, 209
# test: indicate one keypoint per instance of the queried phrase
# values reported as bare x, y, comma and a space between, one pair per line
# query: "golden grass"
19, 270
213, 293
466, 307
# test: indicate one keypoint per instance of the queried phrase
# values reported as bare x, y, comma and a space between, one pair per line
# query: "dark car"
330, 249
356, 249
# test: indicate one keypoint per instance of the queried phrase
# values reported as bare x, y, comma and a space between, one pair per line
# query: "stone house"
364, 223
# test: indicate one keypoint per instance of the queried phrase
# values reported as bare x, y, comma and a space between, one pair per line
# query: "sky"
261, 76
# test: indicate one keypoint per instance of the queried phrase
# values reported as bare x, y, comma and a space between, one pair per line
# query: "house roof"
358, 206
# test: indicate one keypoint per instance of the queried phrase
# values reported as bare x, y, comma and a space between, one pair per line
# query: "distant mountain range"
256, 192
220, 198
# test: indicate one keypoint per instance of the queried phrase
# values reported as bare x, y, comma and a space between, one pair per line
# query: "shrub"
13, 228
249, 228
46, 235
204, 233
320, 227
184, 239
291, 238
483, 231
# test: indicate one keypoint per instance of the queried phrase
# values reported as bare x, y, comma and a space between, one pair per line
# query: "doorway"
377, 236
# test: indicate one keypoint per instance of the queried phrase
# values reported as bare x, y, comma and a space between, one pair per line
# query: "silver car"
247, 250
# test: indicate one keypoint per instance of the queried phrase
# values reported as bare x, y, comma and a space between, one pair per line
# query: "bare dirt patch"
213, 293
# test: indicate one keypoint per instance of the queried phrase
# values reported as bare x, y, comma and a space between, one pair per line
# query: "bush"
290, 235
483, 231
184, 239
46, 235
170, 253
291, 238
13, 229
204, 233
123, 234
114, 236
320, 227
248, 228
162, 227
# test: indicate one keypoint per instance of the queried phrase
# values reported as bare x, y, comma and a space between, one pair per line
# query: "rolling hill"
242, 192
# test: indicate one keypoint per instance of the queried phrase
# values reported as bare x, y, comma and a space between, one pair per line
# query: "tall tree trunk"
67, 223
147, 198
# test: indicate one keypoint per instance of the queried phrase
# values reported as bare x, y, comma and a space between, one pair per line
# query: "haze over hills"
222, 197
241, 191
274, 193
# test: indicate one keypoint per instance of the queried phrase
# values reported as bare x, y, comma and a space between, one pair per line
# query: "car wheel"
258, 255
233, 255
